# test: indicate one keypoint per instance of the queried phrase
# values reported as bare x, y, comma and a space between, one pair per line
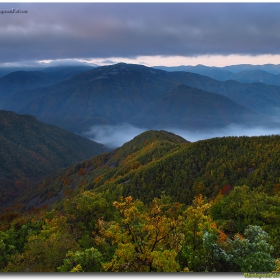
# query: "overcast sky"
148, 33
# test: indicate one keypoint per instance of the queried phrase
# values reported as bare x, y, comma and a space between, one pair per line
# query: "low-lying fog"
114, 136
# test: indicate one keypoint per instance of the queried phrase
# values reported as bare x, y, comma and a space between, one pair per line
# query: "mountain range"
72, 204
194, 109
124, 92
21, 80
7, 70
256, 76
270, 68
244, 71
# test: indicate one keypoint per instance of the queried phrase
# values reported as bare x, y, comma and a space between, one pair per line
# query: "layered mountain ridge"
72, 205
267, 74
123, 92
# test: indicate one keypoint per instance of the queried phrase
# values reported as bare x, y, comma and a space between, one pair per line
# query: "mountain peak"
156, 135
159, 135
148, 137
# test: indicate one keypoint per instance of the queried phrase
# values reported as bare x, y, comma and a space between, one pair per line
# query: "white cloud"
116, 135
230, 130
207, 60
113, 135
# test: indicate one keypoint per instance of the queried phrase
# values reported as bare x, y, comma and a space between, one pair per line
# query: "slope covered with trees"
146, 167
157, 204
31, 150
94, 233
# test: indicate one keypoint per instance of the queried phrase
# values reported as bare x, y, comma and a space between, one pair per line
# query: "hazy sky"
147, 33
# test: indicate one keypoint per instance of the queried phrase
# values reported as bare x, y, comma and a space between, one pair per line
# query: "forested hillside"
147, 166
158, 203
30, 150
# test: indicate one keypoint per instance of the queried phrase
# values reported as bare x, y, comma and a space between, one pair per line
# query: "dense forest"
157, 204
31, 150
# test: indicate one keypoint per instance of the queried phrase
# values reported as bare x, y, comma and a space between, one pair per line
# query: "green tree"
244, 207
6, 249
83, 212
194, 254
88, 260
44, 252
257, 256
251, 253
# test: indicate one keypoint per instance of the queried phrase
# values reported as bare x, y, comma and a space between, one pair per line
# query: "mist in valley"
114, 136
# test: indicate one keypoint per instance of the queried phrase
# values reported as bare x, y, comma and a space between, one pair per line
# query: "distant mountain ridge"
104, 95
22, 80
230, 69
256, 76
47, 68
244, 73
195, 109
118, 93
216, 73
270, 68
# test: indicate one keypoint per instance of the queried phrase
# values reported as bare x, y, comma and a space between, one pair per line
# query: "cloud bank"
101, 30
114, 136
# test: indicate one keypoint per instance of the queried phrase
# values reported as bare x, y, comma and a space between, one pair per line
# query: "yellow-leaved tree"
148, 238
